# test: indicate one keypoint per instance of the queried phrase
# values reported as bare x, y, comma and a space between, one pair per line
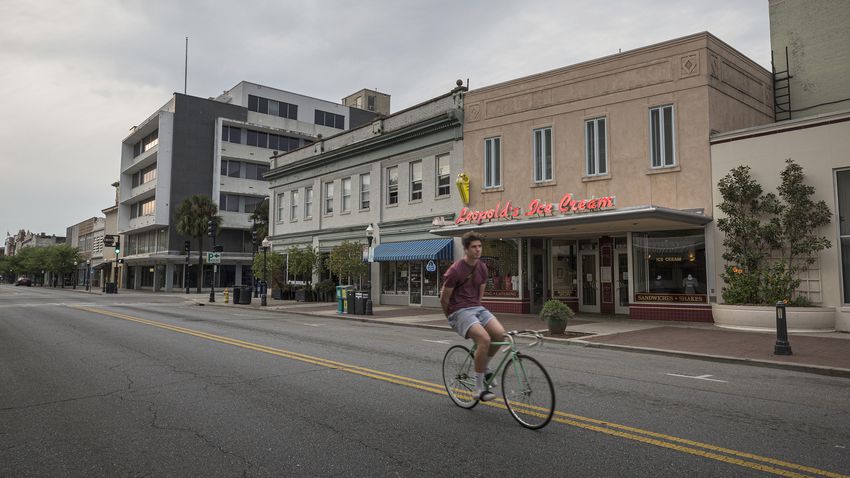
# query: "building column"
137, 280
606, 267
237, 278
169, 276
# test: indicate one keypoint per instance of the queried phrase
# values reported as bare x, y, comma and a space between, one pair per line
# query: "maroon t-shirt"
465, 293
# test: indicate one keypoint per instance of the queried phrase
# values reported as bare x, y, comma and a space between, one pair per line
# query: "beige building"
591, 182
369, 100
821, 145
810, 42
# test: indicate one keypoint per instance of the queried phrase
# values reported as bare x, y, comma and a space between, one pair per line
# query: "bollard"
782, 346
368, 306
226, 295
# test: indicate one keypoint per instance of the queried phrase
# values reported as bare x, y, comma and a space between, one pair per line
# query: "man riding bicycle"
463, 287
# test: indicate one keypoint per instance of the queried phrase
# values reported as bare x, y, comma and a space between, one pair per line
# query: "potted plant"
556, 314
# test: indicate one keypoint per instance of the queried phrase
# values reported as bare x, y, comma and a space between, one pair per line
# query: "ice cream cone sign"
463, 187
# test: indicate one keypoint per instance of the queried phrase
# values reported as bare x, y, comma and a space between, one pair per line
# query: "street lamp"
370, 236
88, 278
75, 274
266, 245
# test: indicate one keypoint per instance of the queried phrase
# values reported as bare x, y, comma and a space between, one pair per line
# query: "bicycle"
526, 387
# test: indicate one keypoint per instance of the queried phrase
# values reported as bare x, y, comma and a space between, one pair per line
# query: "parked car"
24, 281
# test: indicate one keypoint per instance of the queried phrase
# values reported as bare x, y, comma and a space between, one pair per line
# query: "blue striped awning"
432, 249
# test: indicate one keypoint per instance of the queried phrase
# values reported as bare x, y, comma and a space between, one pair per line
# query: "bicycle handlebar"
538, 338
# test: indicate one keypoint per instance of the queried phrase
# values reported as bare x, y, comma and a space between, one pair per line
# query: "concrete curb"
814, 369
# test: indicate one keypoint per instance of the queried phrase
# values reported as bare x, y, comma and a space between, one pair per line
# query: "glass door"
621, 284
589, 276
538, 274
415, 283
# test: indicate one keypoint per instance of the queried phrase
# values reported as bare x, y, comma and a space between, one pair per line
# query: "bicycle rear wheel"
528, 392
459, 376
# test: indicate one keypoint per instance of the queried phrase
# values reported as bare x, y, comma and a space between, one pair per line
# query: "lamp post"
254, 246
75, 274
263, 297
370, 236
88, 277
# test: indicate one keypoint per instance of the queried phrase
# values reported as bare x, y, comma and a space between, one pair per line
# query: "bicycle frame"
508, 355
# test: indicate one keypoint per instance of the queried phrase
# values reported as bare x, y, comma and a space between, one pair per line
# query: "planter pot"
757, 317
556, 327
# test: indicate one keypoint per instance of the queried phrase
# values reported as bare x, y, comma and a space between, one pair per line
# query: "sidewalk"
825, 353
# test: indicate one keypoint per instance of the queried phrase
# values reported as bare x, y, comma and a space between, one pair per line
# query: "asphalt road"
149, 385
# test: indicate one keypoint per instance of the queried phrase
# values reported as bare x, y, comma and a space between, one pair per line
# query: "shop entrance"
538, 273
589, 276
621, 284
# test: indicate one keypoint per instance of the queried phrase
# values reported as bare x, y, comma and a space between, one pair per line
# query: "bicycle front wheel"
528, 392
459, 376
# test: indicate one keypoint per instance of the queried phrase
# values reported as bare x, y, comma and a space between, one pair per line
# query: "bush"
556, 311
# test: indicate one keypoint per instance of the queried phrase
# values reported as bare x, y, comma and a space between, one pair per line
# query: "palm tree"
192, 219
260, 216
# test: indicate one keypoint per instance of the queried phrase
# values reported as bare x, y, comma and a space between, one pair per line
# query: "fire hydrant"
226, 295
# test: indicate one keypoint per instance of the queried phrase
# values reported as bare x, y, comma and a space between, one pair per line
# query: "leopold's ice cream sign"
537, 208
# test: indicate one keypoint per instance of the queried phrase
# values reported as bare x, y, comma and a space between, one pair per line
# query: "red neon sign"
536, 208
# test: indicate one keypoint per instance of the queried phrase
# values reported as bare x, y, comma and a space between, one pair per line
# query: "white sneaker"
484, 395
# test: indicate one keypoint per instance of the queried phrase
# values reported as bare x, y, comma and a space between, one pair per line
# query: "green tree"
346, 260
60, 259
303, 261
274, 268
192, 219
260, 217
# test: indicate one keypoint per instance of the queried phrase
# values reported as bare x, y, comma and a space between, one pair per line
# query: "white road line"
444, 342
314, 325
698, 377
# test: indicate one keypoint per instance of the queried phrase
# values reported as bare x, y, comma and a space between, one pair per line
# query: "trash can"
349, 300
244, 294
236, 291
340, 299
365, 297
359, 303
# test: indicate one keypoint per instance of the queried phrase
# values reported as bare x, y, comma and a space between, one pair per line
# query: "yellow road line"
601, 426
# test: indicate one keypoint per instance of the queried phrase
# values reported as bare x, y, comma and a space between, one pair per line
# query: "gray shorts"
462, 319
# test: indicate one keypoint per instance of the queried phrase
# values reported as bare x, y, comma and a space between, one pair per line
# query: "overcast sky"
78, 74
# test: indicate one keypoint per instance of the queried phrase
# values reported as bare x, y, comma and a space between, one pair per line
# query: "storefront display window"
842, 180
401, 277
388, 277
564, 270
670, 266
502, 259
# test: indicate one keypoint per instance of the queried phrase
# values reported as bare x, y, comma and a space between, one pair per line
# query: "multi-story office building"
218, 148
395, 175
87, 236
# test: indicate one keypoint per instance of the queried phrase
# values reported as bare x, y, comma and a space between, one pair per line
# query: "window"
596, 147
146, 175
147, 207
416, 181
388, 277
228, 202
280, 207
346, 195
365, 184
492, 162
231, 134
443, 176
542, 154
329, 198
148, 142
293, 205
662, 144
308, 202
333, 120
669, 264
230, 168
842, 182
370, 102
272, 107
392, 185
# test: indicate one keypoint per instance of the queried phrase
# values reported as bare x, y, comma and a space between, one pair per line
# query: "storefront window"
388, 277
502, 259
401, 277
430, 283
842, 180
670, 266
564, 270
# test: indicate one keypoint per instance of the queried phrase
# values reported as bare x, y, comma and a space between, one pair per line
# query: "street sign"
108, 241
213, 258
431, 267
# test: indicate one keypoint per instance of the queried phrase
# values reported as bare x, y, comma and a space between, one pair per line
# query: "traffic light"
118, 247
211, 227
186, 247
254, 237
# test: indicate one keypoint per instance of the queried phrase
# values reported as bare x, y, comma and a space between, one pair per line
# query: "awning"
432, 249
